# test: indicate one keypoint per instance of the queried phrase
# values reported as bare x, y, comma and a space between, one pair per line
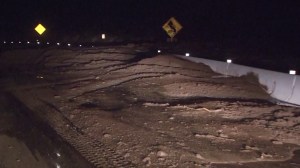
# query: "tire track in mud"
115, 82
93, 150
123, 66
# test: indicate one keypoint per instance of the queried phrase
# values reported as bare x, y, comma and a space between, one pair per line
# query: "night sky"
200, 18
270, 24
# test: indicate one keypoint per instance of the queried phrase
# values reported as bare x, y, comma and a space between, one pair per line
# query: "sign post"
172, 27
40, 29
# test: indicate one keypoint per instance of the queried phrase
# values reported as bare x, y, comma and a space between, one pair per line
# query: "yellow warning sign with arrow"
172, 27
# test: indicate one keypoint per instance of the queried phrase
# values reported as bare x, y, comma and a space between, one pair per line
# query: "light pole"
229, 61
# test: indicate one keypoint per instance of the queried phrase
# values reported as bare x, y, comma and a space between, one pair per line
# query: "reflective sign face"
40, 29
172, 27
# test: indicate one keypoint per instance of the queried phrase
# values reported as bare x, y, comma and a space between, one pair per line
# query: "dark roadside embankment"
27, 142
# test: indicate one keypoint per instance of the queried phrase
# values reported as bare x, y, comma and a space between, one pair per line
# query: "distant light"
229, 61
58, 44
28, 42
48, 43
103, 36
20, 42
92, 46
4, 42
187, 54
292, 72
12, 42
40, 29
57, 165
37, 40
80, 45
69, 44
158, 51
38, 43
58, 154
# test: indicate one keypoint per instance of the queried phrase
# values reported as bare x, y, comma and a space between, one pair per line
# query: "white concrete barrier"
281, 86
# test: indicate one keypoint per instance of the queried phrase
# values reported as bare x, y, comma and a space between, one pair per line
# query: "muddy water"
24, 144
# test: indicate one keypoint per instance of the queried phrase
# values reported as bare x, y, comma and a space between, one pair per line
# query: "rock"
265, 155
223, 135
277, 142
251, 148
72, 116
126, 155
198, 135
199, 156
162, 154
147, 160
106, 135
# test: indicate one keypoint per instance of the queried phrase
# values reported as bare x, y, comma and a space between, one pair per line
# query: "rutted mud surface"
123, 107
26, 144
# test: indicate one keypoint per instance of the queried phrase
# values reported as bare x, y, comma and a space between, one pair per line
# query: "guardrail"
281, 86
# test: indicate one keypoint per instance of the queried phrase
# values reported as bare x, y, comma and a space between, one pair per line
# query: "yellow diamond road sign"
172, 27
40, 29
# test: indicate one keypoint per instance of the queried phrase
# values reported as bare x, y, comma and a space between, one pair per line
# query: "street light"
158, 51
187, 54
69, 44
58, 44
229, 61
103, 36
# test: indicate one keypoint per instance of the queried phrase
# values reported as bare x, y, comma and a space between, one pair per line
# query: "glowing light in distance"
48, 43
58, 44
229, 61
292, 72
12, 42
158, 51
38, 43
28, 42
69, 44
80, 45
20, 42
58, 154
103, 36
187, 54
4, 42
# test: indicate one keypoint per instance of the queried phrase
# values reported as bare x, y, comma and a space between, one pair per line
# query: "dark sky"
216, 19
